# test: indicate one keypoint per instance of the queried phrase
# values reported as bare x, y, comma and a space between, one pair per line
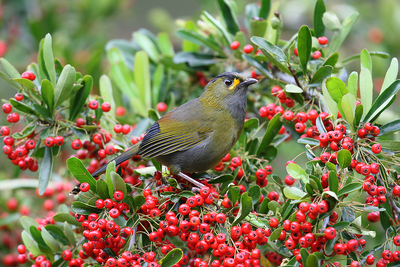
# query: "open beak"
249, 81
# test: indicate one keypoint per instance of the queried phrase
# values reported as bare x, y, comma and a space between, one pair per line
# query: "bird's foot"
191, 180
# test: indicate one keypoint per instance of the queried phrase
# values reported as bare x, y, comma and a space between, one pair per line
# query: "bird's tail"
119, 159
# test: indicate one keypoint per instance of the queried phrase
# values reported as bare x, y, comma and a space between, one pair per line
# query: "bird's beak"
249, 81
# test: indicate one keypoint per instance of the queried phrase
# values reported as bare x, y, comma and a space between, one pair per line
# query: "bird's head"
228, 84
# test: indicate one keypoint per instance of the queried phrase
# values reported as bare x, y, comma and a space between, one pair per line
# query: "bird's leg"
193, 181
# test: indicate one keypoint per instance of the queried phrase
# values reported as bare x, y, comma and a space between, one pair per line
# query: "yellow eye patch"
235, 83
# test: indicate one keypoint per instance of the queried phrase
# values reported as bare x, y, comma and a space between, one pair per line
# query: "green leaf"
331, 21
358, 56
390, 127
6, 78
57, 234
313, 261
381, 103
245, 208
273, 128
390, 144
66, 217
366, 89
147, 45
269, 153
47, 91
37, 236
336, 88
352, 83
255, 193
102, 189
233, 194
172, 258
224, 178
320, 125
304, 44
10, 219
264, 206
330, 193
319, 10
50, 241
27, 222
293, 193
340, 225
20, 106
344, 158
320, 75
28, 84
84, 209
81, 96
142, 78
64, 85
262, 67
391, 74
30, 243
328, 101
30, 128
45, 170
157, 79
196, 38
365, 60
275, 234
251, 124
10, 69
347, 25
308, 141
358, 115
118, 183
139, 201
219, 26
228, 16
348, 104
333, 181
265, 9
49, 59
195, 59
164, 44
349, 188
80, 173
332, 60
257, 27
106, 92
69, 233
291, 88
42, 111
274, 206
297, 172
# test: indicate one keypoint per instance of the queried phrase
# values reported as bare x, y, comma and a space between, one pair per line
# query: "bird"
195, 136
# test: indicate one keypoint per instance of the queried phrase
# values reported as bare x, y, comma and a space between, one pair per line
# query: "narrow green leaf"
265, 9
84, 209
340, 225
332, 60
352, 58
57, 234
390, 144
319, 10
110, 168
233, 194
347, 25
157, 79
164, 44
224, 178
308, 141
6, 78
264, 206
344, 158
262, 67
320, 125
258, 27
358, 115
66, 217
228, 16
37, 236
50, 241
329, 102
80, 173
30, 128
49, 59
352, 84
276, 234
390, 127
196, 38
47, 91
142, 78
81, 97
365, 60
331, 21
333, 181
255, 193
64, 85
188, 46
45, 169
391, 74
382, 101
172, 258
304, 45
69, 233
147, 45
28, 84
20, 106
348, 104
106, 92
349, 188
293, 193
270, 48
30, 243
27, 222
291, 88
312, 260
273, 128
336, 88
245, 208
10, 69
102, 189
274, 206
297, 172
366, 89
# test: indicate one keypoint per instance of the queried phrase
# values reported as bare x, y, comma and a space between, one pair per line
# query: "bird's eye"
228, 82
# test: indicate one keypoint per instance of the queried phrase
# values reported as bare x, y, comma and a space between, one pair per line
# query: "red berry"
49, 141
120, 111
59, 140
106, 107
299, 127
316, 55
373, 216
126, 129
236, 162
322, 40
84, 187
296, 52
19, 96
6, 108
376, 148
13, 117
370, 259
76, 144
273, 222
28, 75
289, 180
248, 49
93, 104
330, 233
162, 107
235, 45
4, 131
118, 195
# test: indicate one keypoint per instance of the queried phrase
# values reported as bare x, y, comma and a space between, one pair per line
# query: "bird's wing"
178, 130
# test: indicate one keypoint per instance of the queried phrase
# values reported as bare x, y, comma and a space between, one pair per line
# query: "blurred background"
81, 29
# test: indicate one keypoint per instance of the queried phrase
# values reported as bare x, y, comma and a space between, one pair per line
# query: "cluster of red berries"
18, 152
323, 41
233, 163
105, 106
261, 175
